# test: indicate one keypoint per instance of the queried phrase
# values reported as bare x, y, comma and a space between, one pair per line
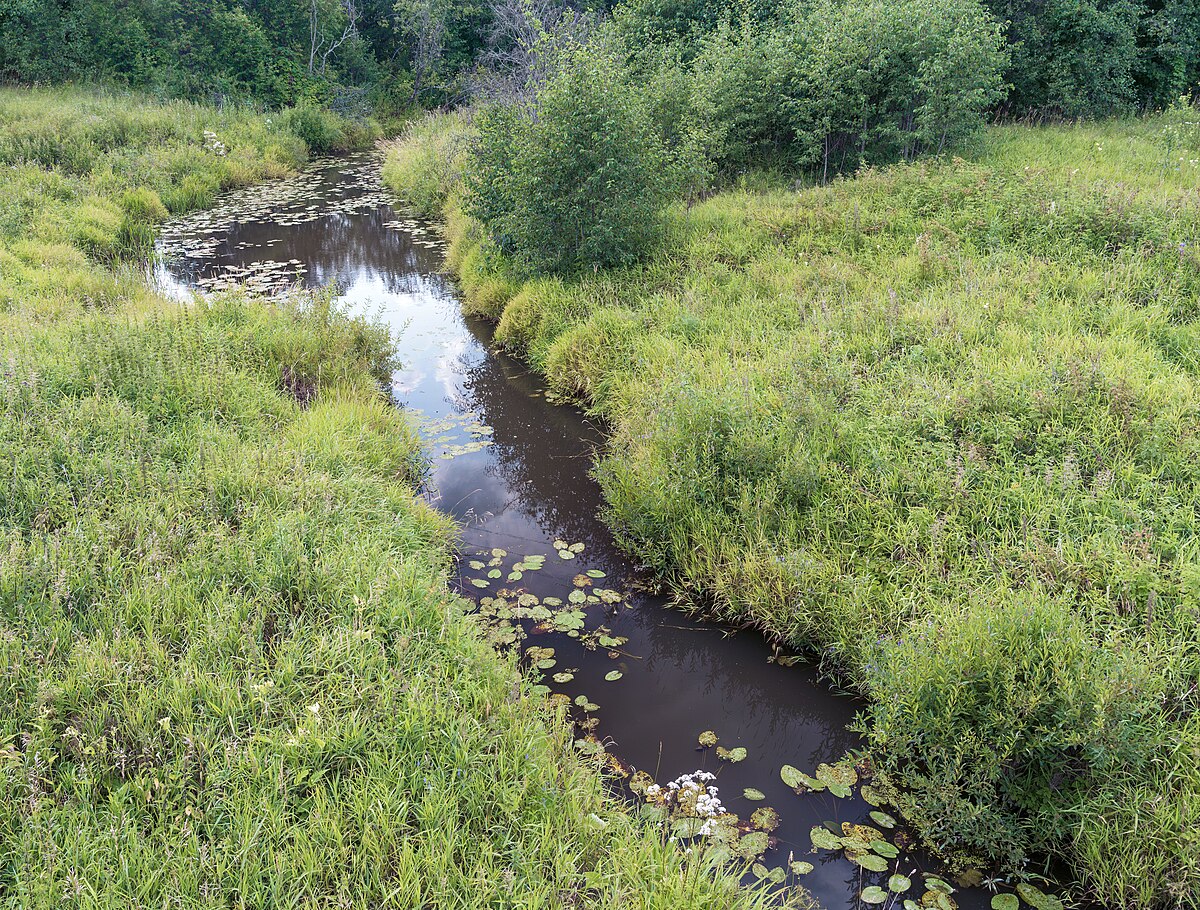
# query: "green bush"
991, 716
886, 80
577, 179
321, 129
846, 82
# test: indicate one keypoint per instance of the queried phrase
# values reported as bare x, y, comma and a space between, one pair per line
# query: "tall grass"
231, 674
936, 425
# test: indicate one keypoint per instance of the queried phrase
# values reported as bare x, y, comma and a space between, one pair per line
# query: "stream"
513, 468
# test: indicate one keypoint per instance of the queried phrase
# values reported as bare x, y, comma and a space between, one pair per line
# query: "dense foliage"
1090, 57
577, 177
936, 425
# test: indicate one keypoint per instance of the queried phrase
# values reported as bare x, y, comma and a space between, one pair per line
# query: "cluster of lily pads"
878, 849
452, 435
262, 278
281, 203
420, 233
509, 614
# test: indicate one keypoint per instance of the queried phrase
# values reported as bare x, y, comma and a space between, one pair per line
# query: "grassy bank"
937, 425
230, 671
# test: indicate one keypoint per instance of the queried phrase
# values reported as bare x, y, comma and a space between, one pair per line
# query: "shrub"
882, 80
991, 716
322, 130
1074, 56
575, 179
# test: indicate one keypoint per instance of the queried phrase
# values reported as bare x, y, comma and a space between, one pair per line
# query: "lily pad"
595, 573
765, 819
802, 868
753, 844
613, 675
871, 862
1006, 902
824, 839
736, 754
873, 894
791, 776
898, 883
752, 794
842, 773
480, 582
883, 819
884, 849
938, 900
708, 738
1038, 899
870, 795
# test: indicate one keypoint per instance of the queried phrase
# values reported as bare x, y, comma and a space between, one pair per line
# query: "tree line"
1064, 57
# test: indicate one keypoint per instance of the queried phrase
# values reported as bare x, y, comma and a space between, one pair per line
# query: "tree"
575, 176
331, 23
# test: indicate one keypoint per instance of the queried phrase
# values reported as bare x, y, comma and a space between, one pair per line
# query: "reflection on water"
514, 469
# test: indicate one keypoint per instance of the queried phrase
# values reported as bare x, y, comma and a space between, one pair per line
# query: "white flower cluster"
212, 143
692, 795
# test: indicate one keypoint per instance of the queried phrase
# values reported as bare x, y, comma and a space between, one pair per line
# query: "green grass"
936, 425
231, 673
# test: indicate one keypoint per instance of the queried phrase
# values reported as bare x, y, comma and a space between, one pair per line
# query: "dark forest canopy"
1067, 57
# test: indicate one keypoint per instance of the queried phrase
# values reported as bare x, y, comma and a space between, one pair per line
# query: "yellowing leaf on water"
498, 553
731, 755
708, 739
479, 582
565, 554
576, 548
765, 819
752, 794
1037, 898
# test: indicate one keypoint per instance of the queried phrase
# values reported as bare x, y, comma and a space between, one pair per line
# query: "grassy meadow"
231, 674
935, 424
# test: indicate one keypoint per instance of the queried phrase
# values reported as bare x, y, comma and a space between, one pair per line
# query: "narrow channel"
514, 470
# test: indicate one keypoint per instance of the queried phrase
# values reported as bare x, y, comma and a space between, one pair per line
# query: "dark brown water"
514, 468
